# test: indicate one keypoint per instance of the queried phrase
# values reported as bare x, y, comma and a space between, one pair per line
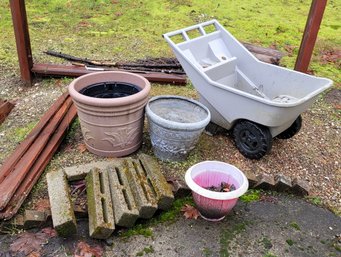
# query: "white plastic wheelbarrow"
255, 100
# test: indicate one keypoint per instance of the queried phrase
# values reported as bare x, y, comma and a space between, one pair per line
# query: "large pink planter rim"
117, 76
216, 166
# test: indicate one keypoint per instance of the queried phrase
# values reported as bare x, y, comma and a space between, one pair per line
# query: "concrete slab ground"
278, 226
290, 227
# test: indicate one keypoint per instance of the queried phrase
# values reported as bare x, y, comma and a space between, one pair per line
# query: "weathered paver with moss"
33, 219
300, 187
143, 193
125, 209
79, 172
157, 181
63, 217
283, 183
100, 209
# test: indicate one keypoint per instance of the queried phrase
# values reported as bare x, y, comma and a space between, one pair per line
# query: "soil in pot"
215, 181
222, 187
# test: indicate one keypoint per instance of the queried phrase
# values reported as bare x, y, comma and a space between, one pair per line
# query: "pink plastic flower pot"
212, 205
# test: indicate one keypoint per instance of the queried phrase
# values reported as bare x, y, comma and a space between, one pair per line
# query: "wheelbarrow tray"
235, 85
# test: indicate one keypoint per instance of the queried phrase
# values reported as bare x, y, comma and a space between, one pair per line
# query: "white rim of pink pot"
143, 93
211, 194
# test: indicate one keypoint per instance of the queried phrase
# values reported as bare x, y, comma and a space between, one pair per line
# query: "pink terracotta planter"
212, 205
111, 127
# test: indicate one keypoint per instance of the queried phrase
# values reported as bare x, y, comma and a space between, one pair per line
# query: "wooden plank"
9, 185
22, 39
310, 35
40, 164
5, 109
254, 49
267, 58
12, 160
75, 71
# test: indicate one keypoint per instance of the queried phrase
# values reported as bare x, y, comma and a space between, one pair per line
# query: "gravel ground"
313, 155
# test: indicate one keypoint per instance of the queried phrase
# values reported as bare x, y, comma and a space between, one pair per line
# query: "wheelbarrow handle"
183, 32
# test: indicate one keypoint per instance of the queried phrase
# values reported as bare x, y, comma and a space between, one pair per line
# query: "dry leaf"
83, 24
78, 187
269, 199
81, 148
34, 254
330, 56
190, 212
49, 232
85, 250
28, 243
41, 204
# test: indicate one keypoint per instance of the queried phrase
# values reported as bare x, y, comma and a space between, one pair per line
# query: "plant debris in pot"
224, 187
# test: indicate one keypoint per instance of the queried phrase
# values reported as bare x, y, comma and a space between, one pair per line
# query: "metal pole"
22, 39
310, 34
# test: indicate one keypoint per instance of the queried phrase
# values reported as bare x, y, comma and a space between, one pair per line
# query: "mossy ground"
20, 133
251, 196
125, 30
144, 227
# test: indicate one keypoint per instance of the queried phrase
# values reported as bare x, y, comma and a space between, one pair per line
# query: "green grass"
139, 229
146, 250
71, 132
266, 242
207, 252
251, 195
290, 242
19, 133
314, 200
228, 235
295, 226
126, 30
145, 229
269, 255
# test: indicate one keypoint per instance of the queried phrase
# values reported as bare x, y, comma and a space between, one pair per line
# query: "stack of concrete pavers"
118, 191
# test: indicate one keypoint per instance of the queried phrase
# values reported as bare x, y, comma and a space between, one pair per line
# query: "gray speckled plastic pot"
175, 125
111, 126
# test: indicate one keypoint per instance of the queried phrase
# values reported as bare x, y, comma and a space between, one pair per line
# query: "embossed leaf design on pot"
87, 134
122, 137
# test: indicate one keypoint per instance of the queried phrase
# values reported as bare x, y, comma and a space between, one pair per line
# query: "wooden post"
310, 34
22, 39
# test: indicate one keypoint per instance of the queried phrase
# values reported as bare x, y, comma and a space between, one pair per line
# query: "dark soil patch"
331, 56
223, 187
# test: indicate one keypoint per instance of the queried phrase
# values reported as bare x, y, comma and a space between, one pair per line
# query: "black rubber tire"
252, 140
292, 130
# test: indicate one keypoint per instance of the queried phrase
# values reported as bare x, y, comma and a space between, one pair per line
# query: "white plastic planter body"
175, 125
215, 205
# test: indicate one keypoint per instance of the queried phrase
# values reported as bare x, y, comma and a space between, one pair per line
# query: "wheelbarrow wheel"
292, 130
251, 139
